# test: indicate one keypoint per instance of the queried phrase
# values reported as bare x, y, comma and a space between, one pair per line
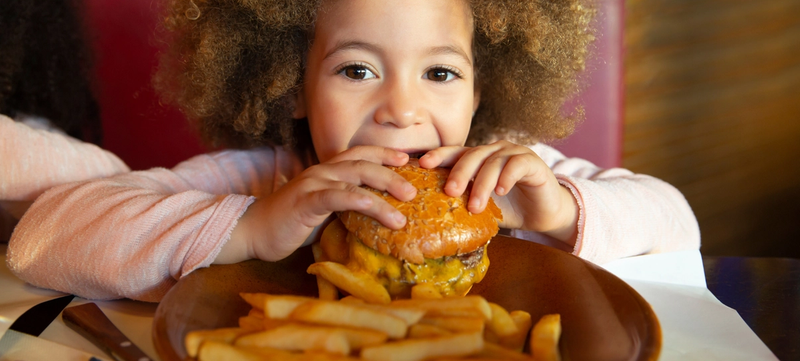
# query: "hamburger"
442, 243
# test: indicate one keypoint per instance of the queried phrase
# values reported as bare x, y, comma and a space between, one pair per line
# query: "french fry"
495, 351
327, 290
333, 242
310, 356
295, 337
357, 284
490, 336
544, 338
350, 315
409, 315
455, 324
471, 358
225, 335
356, 338
352, 299
259, 314
517, 341
501, 323
280, 306
422, 330
251, 323
360, 338
270, 323
421, 349
254, 299
425, 291
475, 306
215, 350
319, 255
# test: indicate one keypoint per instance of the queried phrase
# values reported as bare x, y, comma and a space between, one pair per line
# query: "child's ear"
298, 105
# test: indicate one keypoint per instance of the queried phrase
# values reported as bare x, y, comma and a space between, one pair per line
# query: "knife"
91, 323
36, 319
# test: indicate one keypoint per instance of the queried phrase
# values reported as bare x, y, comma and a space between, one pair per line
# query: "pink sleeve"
621, 213
134, 235
33, 160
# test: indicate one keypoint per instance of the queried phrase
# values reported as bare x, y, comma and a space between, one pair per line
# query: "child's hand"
274, 227
526, 189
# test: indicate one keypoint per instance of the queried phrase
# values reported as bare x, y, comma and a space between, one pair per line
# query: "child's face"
393, 73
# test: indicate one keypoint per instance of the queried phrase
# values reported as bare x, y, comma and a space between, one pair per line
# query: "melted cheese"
448, 274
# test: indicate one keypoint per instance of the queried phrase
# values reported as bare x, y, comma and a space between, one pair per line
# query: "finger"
374, 154
516, 168
362, 172
442, 157
466, 169
347, 197
485, 182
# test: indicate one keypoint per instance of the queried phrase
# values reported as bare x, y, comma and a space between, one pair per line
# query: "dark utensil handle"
89, 321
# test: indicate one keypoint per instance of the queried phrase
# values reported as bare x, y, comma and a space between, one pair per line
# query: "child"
347, 86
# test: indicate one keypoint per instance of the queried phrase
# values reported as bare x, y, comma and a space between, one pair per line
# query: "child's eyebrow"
373, 48
450, 49
353, 44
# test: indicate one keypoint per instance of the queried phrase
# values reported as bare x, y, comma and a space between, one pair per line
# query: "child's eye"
442, 74
356, 72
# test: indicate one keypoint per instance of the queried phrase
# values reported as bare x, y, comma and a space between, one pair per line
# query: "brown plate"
602, 317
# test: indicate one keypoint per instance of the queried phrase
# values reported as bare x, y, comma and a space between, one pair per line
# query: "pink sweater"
35, 157
135, 234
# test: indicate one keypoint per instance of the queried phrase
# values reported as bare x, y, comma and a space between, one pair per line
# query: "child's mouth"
416, 155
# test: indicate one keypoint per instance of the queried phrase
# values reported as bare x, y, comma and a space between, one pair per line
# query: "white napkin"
16, 346
17, 296
694, 324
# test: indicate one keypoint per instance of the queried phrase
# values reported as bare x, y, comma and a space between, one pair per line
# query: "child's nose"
400, 106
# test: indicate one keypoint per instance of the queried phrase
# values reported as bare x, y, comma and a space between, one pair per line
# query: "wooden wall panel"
712, 105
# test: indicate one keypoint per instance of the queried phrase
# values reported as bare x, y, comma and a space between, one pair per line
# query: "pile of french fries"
284, 327
368, 325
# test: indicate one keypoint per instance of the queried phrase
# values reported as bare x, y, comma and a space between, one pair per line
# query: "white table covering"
695, 325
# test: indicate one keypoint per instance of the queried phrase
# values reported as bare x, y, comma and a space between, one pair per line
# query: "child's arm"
616, 213
622, 213
134, 235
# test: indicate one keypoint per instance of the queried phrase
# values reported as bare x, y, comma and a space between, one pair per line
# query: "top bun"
438, 225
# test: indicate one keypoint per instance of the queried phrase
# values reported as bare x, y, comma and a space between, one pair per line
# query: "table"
766, 293
695, 325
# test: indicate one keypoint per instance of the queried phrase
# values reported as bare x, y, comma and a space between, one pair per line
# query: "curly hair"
45, 66
233, 65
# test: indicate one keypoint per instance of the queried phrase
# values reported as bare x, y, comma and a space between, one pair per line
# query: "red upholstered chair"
146, 134
136, 127
599, 138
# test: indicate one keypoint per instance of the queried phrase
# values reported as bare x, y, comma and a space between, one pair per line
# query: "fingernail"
451, 185
501, 191
408, 188
474, 203
399, 217
365, 202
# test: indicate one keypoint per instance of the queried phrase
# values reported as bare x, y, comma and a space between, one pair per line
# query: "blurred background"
712, 106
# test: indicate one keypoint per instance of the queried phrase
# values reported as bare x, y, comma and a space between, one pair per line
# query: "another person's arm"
33, 160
